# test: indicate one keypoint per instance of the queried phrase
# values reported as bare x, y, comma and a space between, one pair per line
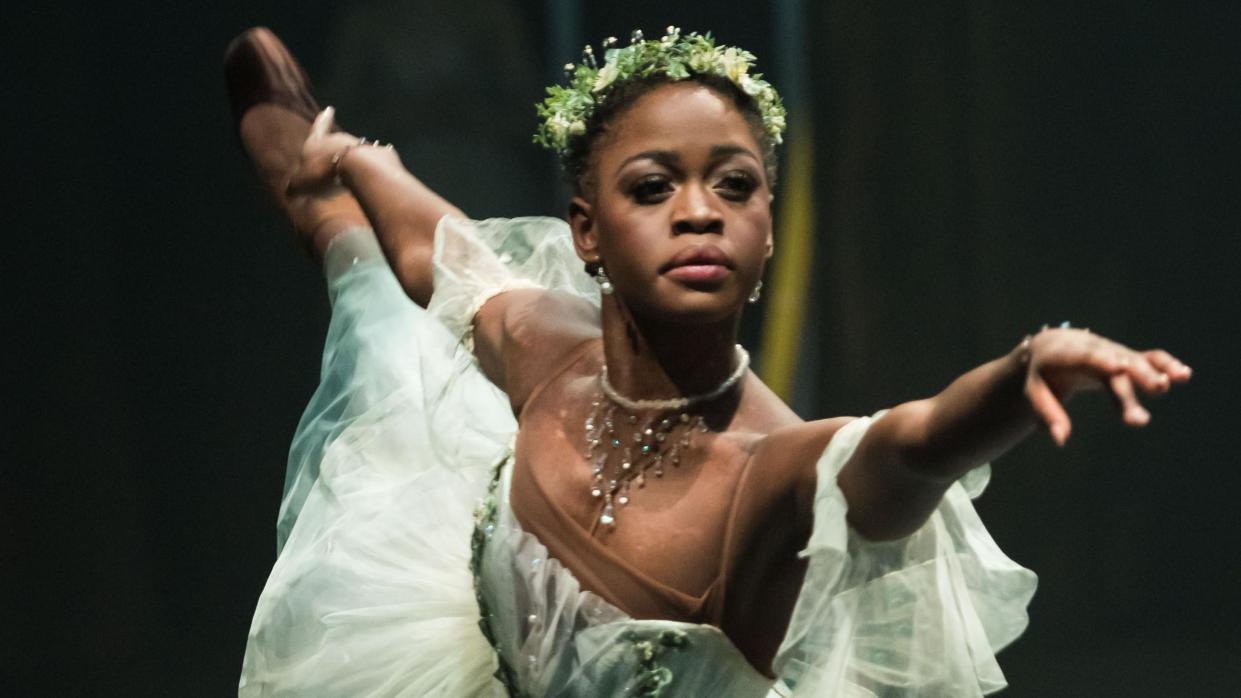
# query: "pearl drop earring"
756, 293
605, 284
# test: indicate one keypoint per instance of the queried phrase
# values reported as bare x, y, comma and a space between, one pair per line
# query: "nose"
696, 211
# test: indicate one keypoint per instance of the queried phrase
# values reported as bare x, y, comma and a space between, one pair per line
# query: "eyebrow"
719, 152
670, 159
667, 158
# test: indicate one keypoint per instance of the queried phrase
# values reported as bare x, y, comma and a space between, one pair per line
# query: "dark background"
982, 168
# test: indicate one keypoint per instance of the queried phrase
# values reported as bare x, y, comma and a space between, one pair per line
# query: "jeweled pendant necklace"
655, 440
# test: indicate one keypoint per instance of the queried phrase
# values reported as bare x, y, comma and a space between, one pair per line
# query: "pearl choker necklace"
679, 403
653, 441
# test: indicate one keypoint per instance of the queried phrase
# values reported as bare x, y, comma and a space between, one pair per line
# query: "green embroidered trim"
484, 526
652, 678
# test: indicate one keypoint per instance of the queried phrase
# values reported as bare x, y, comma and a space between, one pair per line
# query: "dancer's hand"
1061, 362
324, 155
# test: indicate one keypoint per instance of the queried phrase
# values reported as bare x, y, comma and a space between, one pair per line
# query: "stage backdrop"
976, 170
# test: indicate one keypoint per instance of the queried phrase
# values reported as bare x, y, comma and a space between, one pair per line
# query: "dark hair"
576, 159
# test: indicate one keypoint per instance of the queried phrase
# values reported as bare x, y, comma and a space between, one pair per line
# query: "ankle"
328, 231
323, 220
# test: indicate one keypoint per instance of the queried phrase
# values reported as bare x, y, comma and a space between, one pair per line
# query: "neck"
652, 360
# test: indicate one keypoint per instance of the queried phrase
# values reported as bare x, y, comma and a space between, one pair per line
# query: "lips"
699, 264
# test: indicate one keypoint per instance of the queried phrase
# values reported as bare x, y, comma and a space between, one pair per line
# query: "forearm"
909, 458
977, 418
911, 455
403, 211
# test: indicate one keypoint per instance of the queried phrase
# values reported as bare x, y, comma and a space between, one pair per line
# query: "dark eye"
737, 185
651, 189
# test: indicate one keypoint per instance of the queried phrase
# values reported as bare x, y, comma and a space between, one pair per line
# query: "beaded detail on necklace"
657, 440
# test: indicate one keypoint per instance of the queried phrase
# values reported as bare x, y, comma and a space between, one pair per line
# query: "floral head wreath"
566, 109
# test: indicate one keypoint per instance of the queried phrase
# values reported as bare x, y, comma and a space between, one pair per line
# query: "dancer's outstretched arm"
519, 335
910, 456
402, 210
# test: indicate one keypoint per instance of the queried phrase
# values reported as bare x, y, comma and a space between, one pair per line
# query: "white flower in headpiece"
734, 65
558, 125
750, 86
606, 76
702, 60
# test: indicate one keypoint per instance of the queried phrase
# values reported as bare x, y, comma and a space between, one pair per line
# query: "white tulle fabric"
372, 592
475, 260
922, 616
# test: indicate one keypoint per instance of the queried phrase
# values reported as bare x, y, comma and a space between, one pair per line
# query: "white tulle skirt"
371, 593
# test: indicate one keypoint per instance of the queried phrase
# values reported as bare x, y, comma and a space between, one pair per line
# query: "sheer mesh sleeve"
475, 260
920, 616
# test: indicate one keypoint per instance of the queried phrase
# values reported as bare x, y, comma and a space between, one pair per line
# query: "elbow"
898, 509
413, 271
924, 448
915, 449
894, 484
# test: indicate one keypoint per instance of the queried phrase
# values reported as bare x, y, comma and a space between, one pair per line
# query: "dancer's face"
679, 211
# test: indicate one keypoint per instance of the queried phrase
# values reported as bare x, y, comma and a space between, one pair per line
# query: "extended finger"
1177, 371
1048, 409
1146, 375
1127, 400
1114, 358
1073, 348
323, 123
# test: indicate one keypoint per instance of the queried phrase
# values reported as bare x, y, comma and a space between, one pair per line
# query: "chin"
691, 307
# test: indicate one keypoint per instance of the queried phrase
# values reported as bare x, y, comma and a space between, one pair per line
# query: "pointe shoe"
259, 69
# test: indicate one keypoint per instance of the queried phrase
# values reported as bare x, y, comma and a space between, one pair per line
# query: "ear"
585, 234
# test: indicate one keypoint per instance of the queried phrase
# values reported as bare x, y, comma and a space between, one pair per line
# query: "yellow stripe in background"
788, 281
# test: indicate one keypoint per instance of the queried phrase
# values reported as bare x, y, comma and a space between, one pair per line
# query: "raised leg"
274, 111
272, 136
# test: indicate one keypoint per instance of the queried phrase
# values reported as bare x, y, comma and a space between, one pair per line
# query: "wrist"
1018, 360
338, 164
1016, 374
1024, 350
350, 160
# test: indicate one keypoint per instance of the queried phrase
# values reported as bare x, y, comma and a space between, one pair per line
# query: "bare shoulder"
786, 448
791, 453
521, 336
773, 520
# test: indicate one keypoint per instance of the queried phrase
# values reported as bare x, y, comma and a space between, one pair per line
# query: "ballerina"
652, 517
